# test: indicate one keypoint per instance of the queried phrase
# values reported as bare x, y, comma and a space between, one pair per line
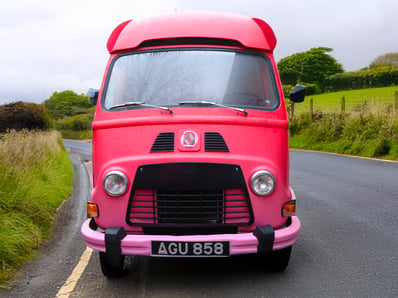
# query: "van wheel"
279, 259
274, 261
110, 270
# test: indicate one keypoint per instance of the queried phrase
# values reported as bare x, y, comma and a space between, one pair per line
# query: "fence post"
395, 104
291, 109
311, 109
342, 105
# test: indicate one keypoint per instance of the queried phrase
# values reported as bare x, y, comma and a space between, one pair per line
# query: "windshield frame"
272, 83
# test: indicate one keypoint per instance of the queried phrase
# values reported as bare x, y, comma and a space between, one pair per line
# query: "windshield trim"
193, 48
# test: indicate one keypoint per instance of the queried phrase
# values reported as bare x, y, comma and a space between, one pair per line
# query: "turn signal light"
92, 210
289, 208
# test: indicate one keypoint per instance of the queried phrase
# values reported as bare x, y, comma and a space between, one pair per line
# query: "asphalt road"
348, 245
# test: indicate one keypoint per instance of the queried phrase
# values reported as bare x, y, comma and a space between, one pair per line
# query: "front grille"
192, 208
189, 194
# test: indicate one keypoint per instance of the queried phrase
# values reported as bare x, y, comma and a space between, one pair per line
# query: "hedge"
20, 115
77, 122
380, 77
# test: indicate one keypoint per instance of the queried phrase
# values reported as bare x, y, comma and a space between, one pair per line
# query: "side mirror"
298, 93
93, 95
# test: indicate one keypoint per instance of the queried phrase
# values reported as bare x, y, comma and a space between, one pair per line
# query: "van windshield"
168, 78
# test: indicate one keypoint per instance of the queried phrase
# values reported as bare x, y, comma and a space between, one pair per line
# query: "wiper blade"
139, 103
214, 104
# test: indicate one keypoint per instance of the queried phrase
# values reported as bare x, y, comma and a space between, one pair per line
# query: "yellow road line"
72, 280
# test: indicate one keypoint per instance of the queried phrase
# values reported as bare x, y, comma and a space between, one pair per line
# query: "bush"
67, 103
312, 89
76, 127
78, 122
20, 115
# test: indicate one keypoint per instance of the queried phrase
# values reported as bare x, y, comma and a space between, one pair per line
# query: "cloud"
50, 46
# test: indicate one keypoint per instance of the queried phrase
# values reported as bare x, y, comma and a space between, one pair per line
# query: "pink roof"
250, 32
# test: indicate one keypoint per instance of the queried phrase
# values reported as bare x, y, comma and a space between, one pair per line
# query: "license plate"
190, 248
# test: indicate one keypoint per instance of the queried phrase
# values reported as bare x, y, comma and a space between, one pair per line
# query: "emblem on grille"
189, 139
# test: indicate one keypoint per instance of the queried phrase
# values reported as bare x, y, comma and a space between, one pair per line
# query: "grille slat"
164, 142
214, 142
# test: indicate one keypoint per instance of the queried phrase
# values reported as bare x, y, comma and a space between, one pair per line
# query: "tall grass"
35, 178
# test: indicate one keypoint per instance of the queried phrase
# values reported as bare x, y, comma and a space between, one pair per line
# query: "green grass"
35, 178
378, 99
77, 134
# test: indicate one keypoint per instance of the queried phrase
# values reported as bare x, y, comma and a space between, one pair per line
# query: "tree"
67, 103
389, 59
312, 66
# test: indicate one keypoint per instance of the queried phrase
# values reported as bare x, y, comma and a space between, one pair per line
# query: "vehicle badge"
189, 141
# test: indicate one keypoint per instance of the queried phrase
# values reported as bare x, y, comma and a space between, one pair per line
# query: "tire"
275, 261
110, 270
279, 259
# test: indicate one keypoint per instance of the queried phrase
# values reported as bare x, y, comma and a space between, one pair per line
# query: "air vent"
214, 142
164, 142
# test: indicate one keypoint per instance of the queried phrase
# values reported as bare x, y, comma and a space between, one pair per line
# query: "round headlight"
115, 183
263, 183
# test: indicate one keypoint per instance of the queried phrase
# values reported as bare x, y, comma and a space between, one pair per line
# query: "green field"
376, 99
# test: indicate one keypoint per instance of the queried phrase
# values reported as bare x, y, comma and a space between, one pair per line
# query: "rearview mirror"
297, 94
93, 95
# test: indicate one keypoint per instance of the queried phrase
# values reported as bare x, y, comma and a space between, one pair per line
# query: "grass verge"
77, 134
366, 135
35, 178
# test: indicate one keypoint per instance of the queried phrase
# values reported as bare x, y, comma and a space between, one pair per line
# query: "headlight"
115, 183
263, 183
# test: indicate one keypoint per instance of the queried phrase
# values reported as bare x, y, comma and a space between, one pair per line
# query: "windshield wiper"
139, 103
214, 104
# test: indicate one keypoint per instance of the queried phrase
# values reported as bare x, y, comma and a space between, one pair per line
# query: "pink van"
190, 143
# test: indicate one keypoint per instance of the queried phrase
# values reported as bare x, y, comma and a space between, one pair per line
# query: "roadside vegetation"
35, 172
343, 112
359, 122
35, 178
72, 114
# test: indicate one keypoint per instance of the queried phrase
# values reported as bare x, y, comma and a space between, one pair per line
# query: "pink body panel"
252, 33
254, 141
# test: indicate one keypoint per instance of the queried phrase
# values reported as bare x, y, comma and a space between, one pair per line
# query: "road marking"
72, 280
66, 290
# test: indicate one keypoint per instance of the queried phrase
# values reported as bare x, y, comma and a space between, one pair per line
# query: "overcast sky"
54, 45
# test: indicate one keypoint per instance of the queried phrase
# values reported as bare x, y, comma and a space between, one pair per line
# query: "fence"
394, 110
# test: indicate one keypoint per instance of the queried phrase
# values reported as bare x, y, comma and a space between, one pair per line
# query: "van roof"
250, 32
